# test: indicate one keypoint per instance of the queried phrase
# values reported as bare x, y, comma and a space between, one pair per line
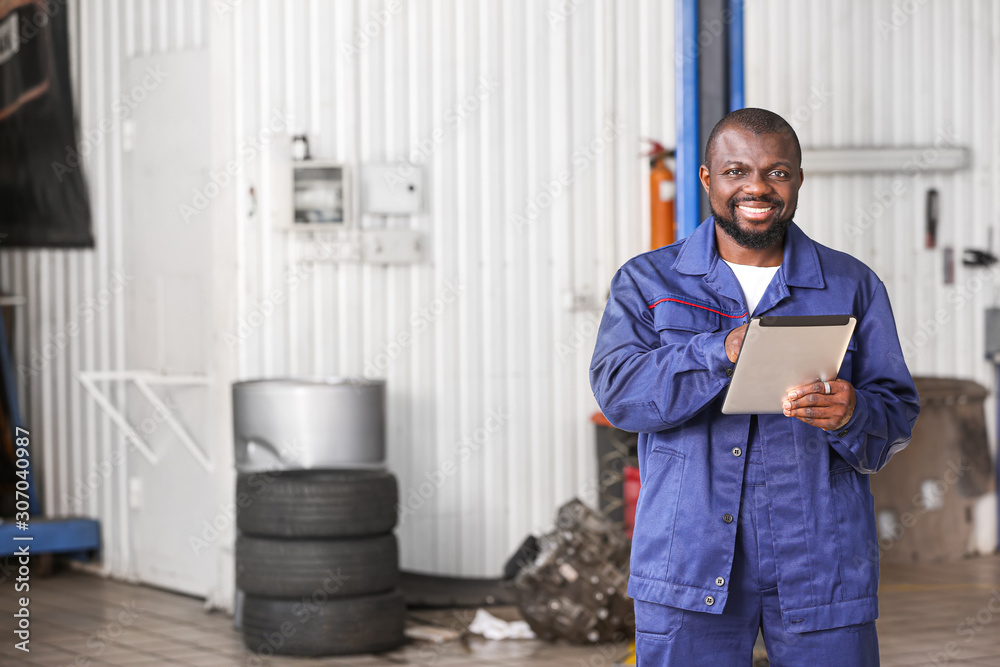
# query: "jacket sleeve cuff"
716, 360
850, 438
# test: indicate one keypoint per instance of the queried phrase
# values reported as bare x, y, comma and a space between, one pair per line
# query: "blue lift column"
76, 537
708, 61
688, 212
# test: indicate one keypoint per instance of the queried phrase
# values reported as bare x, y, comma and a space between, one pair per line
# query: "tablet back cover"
781, 353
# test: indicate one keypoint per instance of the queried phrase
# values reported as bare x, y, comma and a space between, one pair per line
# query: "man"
748, 522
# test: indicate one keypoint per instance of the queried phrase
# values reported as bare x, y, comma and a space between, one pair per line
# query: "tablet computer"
781, 353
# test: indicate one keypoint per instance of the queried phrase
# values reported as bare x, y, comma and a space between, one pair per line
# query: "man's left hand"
811, 404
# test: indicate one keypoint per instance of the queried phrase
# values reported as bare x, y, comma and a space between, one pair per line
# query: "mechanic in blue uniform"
748, 522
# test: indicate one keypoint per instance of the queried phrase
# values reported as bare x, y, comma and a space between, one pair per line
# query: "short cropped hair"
755, 121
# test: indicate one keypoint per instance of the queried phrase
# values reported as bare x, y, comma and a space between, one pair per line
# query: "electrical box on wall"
392, 189
320, 194
322, 208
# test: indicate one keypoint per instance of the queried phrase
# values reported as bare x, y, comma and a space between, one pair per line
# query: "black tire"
285, 568
316, 503
338, 626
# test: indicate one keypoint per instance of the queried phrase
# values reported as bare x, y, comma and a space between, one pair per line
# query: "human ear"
704, 177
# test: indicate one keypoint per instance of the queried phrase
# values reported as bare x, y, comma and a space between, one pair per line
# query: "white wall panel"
479, 344
73, 317
883, 73
492, 350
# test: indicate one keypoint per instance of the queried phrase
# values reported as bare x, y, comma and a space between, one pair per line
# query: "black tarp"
43, 194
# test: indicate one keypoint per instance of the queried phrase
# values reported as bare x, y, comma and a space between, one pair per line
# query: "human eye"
732, 171
779, 173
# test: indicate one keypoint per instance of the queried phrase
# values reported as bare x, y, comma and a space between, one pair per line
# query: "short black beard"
751, 240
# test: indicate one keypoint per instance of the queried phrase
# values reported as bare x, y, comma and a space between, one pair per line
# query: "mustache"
773, 201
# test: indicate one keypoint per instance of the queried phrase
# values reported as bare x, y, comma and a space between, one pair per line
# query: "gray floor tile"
926, 611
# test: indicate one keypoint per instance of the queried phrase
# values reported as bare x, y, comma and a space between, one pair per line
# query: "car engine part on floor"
576, 588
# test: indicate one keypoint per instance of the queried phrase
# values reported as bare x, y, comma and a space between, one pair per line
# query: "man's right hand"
734, 341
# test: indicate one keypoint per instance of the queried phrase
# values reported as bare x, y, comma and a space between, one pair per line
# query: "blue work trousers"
671, 637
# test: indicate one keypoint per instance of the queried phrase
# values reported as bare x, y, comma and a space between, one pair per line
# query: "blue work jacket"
660, 369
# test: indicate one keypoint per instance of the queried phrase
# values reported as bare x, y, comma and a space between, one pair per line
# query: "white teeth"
749, 209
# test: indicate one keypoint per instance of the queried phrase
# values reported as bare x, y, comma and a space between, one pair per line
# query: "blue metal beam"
51, 536
14, 413
688, 145
736, 92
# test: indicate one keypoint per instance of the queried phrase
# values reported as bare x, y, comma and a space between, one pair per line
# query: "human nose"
756, 184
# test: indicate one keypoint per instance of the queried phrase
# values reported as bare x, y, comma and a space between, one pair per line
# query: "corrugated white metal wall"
73, 318
486, 344
897, 74
483, 347
485, 356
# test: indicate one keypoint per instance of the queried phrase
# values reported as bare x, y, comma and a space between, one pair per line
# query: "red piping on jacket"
697, 306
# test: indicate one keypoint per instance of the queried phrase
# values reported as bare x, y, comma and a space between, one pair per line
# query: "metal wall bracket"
142, 380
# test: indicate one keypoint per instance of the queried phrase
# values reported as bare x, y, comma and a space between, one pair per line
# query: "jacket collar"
800, 266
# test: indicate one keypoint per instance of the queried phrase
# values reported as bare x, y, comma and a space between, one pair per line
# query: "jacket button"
842, 433
737, 451
728, 518
720, 581
729, 372
709, 600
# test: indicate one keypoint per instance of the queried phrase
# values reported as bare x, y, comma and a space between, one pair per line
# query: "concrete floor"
945, 614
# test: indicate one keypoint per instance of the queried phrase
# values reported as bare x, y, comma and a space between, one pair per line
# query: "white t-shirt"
754, 281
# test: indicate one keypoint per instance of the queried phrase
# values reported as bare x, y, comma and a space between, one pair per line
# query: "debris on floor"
491, 627
431, 633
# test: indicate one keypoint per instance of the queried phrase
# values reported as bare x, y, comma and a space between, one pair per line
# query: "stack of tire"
318, 562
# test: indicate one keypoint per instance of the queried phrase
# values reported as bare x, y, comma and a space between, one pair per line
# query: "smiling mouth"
756, 212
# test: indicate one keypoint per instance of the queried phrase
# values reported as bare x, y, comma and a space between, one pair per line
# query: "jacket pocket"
657, 622
855, 511
676, 319
656, 513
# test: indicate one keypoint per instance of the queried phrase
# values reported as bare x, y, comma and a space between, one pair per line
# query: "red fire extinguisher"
662, 190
